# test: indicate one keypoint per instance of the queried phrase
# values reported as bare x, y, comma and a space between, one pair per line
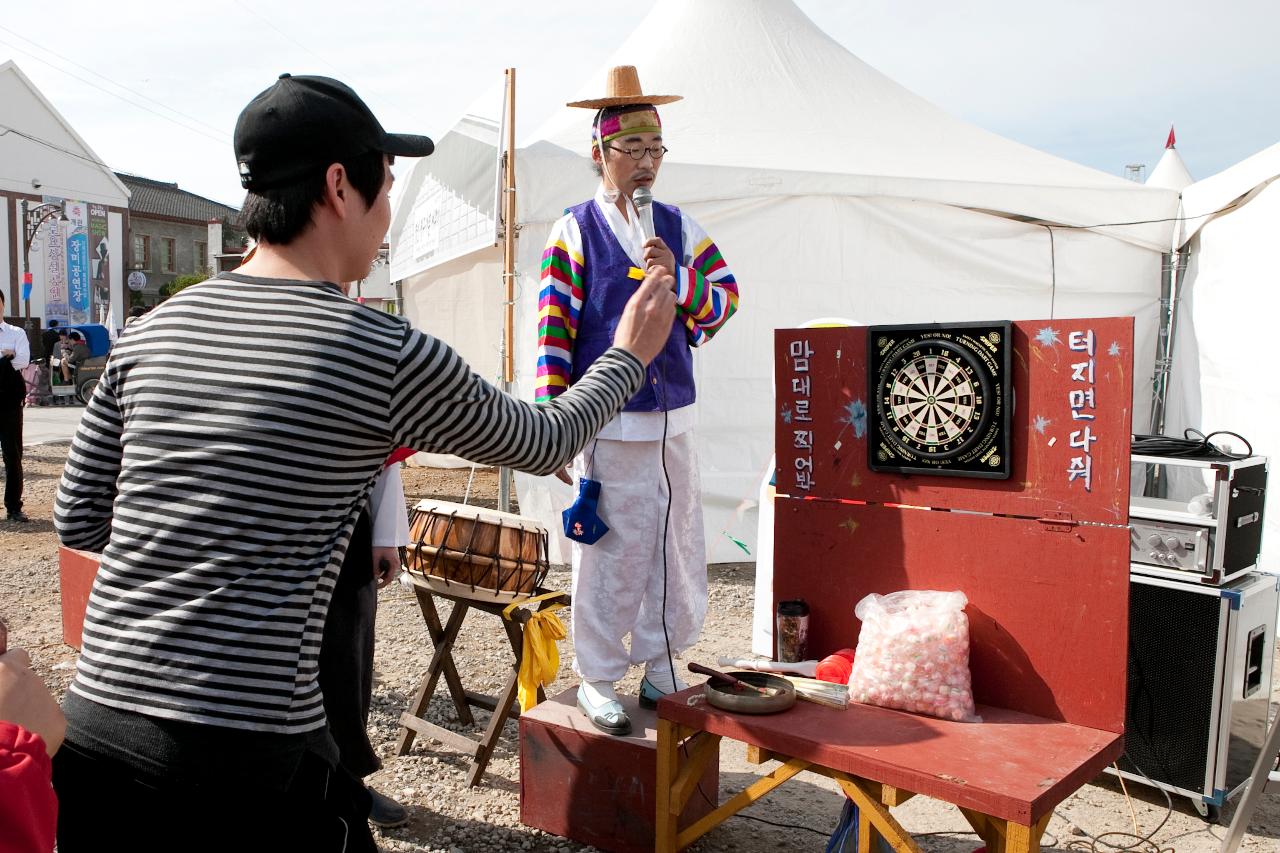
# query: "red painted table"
1006, 774
1042, 558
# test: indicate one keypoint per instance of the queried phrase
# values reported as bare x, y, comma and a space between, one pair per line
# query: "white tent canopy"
778, 107
1170, 173
1222, 193
1230, 301
831, 191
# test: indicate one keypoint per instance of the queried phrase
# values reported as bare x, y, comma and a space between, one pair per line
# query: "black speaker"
1199, 681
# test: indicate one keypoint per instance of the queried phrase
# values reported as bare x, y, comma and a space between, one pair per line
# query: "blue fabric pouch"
581, 521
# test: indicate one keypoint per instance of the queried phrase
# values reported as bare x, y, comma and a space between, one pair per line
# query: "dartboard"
939, 399
935, 399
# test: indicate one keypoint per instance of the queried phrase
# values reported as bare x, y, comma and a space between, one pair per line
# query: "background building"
376, 289
76, 215
175, 233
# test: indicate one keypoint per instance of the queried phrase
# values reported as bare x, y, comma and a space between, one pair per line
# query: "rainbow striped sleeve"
706, 291
559, 305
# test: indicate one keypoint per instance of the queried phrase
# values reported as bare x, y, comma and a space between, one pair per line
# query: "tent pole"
1172, 268
508, 269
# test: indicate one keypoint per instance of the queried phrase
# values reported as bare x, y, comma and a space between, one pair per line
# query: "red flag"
1169, 144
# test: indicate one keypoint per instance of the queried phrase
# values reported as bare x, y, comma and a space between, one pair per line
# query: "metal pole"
508, 268
29, 231
26, 259
1172, 267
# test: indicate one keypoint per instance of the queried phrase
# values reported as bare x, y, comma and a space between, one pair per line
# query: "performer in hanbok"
646, 575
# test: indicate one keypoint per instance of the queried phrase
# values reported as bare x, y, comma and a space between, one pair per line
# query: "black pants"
11, 447
105, 805
346, 654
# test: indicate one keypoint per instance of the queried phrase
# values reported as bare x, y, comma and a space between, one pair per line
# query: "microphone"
642, 198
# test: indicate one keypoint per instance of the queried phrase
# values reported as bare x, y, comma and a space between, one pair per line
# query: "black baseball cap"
303, 124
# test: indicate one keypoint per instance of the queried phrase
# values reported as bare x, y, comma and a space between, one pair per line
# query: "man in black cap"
234, 436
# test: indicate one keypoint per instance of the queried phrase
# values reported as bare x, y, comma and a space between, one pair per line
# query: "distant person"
75, 352
31, 730
346, 652
39, 375
49, 340
15, 354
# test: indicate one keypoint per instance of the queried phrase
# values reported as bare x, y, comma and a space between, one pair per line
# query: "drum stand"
413, 722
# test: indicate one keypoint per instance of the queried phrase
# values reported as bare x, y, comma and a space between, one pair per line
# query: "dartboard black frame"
972, 363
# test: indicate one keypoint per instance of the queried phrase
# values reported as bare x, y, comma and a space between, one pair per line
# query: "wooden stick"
509, 235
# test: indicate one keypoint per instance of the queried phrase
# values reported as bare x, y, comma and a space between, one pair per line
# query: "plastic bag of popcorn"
913, 654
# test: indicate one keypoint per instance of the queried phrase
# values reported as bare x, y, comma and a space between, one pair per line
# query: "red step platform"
76, 571
579, 783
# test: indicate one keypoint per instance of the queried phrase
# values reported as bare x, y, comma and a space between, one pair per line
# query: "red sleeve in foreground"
28, 807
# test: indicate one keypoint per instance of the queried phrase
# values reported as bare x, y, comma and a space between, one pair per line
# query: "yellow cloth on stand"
539, 656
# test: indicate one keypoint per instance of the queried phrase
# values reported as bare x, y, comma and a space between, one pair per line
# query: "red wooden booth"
1041, 556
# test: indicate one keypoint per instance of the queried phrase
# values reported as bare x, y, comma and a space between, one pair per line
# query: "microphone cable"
660, 360
1199, 446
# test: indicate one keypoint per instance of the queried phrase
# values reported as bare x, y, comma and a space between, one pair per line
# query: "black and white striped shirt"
219, 468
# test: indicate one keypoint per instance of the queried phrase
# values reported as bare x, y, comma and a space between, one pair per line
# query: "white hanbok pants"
618, 581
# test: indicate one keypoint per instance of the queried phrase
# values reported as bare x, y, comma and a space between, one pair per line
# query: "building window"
141, 252
167, 251
202, 257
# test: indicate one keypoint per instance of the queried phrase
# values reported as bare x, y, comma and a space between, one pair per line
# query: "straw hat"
623, 88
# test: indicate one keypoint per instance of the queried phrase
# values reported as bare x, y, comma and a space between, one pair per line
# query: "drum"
477, 552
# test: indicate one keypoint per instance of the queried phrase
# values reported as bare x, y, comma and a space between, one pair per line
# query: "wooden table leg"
868, 838
696, 753
872, 811
1005, 836
1024, 839
443, 654
985, 831
665, 823
739, 801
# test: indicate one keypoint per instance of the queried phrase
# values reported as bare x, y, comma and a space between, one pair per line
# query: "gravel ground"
449, 817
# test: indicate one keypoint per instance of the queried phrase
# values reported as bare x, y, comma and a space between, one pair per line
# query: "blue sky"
1095, 82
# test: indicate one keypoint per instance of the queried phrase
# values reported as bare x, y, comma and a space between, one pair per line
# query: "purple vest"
606, 289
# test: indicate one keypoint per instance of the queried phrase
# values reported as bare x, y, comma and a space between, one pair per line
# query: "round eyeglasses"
656, 153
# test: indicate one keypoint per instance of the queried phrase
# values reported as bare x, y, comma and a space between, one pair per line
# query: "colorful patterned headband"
612, 122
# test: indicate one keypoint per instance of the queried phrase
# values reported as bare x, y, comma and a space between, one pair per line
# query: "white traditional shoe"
597, 700
656, 684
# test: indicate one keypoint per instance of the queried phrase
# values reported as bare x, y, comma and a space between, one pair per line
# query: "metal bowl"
743, 701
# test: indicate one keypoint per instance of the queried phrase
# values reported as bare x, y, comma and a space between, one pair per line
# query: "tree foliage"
182, 281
